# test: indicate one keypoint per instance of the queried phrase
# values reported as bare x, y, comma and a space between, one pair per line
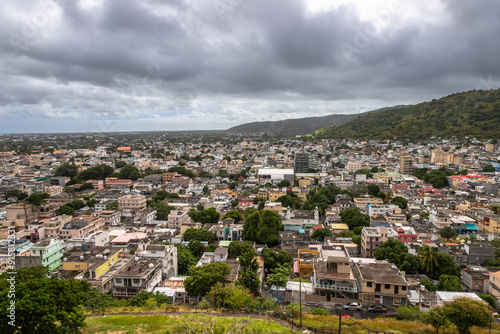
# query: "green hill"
475, 114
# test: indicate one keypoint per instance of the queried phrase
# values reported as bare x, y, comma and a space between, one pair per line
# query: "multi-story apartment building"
301, 164
381, 283
362, 202
116, 182
110, 217
132, 202
406, 164
333, 276
177, 218
81, 227
372, 237
50, 252
138, 275
166, 253
55, 224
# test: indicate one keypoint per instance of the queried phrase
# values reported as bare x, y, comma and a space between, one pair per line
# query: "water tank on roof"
82, 257
65, 259
151, 266
136, 258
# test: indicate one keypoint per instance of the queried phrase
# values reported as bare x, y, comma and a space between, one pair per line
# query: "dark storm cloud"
176, 64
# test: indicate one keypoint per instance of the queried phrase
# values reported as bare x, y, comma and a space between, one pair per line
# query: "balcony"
336, 287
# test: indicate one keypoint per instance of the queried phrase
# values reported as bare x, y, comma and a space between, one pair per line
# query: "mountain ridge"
473, 113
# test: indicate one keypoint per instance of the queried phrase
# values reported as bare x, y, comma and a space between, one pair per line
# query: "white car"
352, 306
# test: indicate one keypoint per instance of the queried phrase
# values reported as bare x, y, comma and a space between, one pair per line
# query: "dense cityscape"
249, 167
181, 219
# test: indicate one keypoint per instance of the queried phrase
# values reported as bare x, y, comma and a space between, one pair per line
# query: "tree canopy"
321, 233
263, 227
354, 218
43, 305
199, 234
466, 312
202, 279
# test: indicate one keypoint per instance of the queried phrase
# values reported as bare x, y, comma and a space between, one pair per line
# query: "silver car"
354, 306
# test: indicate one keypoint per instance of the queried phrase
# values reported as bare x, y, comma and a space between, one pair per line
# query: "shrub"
408, 313
319, 311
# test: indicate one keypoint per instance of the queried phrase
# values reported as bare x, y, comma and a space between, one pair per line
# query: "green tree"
236, 248
490, 300
66, 210
37, 199
263, 227
56, 307
373, 189
120, 164
449, 283
128, 171
16, 193
446, 267
273, 259
229, 296
400, 201
489, 168
185, 260
465, 313
354, 218
448, 232
321, 233
196, 248
199, 234
66, 169
436, 317
234, 214
202, 279
390, 249
428, 259
209, 216
279, 276
428, 285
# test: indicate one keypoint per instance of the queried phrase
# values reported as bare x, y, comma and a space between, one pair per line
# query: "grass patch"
166, 324
390, 325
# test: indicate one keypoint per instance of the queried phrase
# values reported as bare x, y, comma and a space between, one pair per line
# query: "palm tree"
427, 259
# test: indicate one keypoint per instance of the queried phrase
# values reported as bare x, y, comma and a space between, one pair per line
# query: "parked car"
377, 309
353, 306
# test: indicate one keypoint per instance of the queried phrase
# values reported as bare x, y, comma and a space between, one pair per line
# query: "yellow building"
306, 261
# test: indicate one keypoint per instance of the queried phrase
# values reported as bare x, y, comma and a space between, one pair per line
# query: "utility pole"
340, 320
102, 304
300, 298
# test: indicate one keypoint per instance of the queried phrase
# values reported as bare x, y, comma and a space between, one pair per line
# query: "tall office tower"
301, 163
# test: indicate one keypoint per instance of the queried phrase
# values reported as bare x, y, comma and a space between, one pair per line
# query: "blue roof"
471, 227
302, 231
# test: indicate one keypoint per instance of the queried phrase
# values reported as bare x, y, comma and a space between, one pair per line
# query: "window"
387, 286
136, 281
118, 280
403, 288
369, 284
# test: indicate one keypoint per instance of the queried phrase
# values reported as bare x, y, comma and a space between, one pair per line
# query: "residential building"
112, 182
406, 164
373, 237
55, 224
381, 283
50, 252
136, 276
333, 276
132, 202
81, 227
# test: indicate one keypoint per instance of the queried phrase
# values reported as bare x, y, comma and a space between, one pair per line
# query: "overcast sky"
98, 65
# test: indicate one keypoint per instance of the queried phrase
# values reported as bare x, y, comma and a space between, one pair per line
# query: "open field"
224, 323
